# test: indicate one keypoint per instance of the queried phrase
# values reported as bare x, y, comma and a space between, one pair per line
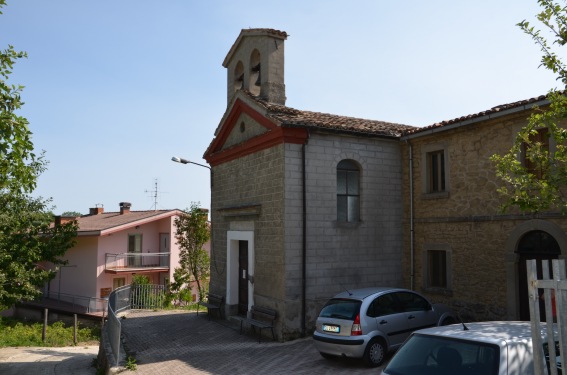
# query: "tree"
71, 214
26, 234
534, 175
192, 232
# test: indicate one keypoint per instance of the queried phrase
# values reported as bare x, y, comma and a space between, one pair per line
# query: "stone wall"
252, 180
467, 220
341, 255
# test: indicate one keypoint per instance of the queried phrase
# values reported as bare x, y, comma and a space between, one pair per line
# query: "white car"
487, 348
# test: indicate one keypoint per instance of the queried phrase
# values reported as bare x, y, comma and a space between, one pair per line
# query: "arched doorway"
538, 245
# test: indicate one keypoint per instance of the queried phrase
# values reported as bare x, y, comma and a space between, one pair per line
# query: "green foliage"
554, 18
542, 186
192, 233
26, 236
16, 333
544, 190
131, 364
140, 280
71, 214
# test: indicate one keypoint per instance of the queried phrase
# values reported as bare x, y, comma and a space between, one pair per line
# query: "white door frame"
232, 238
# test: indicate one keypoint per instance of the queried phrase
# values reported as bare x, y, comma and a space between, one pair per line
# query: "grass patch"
14, 332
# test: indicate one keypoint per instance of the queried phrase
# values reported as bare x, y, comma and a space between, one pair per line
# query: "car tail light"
356, 330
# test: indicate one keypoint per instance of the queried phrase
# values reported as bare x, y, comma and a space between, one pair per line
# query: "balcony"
136, 262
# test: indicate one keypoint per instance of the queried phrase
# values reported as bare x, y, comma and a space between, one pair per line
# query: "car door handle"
383, 321
411, 317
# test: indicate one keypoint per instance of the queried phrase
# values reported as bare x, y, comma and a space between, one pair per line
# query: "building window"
348, 191
436, 171
118, 282
541, 138
437, 269
134, 250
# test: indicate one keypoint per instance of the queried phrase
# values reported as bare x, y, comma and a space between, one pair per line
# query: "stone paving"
175, 342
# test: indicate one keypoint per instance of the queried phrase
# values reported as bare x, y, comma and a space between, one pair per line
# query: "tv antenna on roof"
155, 194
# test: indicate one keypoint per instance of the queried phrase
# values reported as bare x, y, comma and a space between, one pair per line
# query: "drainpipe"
304, 244
412, 247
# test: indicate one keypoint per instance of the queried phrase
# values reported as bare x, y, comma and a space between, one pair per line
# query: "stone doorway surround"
512, 258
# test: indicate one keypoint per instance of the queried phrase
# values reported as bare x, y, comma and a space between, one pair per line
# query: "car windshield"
341, 309
434, 355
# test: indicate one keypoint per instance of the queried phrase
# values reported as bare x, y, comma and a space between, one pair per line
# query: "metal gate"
551, 290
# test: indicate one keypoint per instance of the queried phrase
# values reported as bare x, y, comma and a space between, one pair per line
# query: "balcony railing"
131, 262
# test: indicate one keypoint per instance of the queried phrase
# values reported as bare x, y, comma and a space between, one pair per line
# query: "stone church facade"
304, 204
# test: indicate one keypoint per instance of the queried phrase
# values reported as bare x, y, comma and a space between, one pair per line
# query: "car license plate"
331, 328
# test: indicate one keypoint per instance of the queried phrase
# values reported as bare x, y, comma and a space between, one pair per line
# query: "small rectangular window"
348, 192
437, 268
436, 171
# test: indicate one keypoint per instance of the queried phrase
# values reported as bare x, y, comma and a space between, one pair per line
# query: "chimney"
96, 210
125, 207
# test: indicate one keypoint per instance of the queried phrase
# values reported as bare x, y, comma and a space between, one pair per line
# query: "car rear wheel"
375, 353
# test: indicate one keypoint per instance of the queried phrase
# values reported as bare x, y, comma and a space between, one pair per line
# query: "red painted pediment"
271, 133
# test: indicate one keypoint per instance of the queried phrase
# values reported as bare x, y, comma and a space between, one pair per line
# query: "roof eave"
490, 116
341, 131
120, 227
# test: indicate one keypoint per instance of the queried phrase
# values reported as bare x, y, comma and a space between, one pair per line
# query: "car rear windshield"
341, 309
432, 355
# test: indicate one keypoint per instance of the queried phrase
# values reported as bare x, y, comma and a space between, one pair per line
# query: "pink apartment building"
111, 247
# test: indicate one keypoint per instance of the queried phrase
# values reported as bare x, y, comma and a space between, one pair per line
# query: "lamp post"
185, 161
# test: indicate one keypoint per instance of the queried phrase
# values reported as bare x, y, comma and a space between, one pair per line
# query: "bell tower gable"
255, 63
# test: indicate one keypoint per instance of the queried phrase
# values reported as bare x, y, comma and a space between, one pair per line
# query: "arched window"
538, 242
348, 191
255, 73
239, 76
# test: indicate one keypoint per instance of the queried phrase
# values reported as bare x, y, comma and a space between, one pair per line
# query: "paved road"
75, 360
176, 342
173, 342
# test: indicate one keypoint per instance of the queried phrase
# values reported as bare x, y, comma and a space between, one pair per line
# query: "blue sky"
114, 89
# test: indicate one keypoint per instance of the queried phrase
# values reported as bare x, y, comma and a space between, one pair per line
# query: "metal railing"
554, 286
126, 298
132, 261
74, 303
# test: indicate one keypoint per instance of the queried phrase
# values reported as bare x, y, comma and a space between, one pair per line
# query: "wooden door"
242, 277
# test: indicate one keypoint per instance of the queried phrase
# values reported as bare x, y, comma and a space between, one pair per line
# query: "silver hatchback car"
367, 323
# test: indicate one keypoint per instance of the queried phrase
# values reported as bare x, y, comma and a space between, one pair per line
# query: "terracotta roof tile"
109, 220
527, 103
291, 117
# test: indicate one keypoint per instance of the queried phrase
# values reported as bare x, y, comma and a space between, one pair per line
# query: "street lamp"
185, 161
